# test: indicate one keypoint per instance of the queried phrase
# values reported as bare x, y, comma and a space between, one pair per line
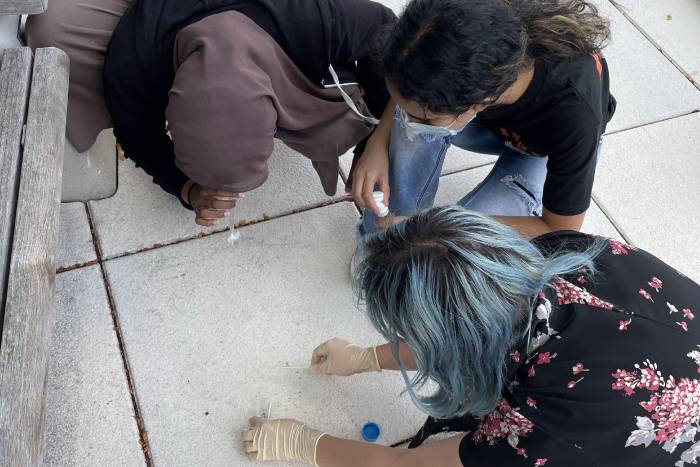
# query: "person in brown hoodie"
197, 96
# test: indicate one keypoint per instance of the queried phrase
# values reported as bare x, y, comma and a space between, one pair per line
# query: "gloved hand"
340, 357
280, 440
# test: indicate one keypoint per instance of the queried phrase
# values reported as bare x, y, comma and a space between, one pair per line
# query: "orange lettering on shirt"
598, 64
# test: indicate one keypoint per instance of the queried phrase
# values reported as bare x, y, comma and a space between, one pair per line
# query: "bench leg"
9, 32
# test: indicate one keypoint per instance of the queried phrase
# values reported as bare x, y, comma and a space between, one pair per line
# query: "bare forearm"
528, 227
336, 452
388, 362
531, 227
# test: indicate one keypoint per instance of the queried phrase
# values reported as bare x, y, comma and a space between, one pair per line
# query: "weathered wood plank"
22, 7
29, 306
15, 72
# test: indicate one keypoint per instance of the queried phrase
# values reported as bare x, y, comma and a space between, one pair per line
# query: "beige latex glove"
341, 358
280, 440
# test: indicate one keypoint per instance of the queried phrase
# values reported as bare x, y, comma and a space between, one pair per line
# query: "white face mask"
423, 128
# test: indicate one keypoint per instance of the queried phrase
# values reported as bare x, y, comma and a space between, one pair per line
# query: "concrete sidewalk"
167, 338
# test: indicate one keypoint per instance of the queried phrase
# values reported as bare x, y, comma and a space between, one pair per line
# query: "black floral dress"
610, 375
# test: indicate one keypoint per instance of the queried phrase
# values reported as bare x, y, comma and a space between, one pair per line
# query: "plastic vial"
379, 200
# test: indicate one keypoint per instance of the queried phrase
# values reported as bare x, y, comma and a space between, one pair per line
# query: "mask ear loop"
348, 100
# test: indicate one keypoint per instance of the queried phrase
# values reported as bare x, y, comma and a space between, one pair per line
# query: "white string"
348, 100
235, 234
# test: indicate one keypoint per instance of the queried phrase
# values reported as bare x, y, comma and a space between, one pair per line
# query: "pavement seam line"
612, 220
641, 125
622, 9
143, 433
199, 235
71, 267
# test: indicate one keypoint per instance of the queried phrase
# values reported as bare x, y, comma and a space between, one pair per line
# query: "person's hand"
384, 222
341, 358
280, 440
209, 204
372, 169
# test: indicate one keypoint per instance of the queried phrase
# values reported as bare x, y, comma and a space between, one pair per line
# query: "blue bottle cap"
370, 432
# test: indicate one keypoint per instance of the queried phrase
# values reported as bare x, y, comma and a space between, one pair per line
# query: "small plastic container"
379, 199
371, 432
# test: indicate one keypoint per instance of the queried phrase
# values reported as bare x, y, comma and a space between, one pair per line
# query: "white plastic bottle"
379, 200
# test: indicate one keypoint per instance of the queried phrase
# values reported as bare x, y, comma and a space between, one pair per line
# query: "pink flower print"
683, 325
623, 324
619, 248
540, 462
671, 308
531, 402
677, 408
650, 405
504, 422
531, 371
673, 408
570, 293
626, 381
573, 384
655, 283
521, 452
515, 356
581, 280
661, 436
544, 358
646, 295
649, 379
688, 314
578, 368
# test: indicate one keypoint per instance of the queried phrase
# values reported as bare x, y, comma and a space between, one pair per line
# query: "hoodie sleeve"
222, 123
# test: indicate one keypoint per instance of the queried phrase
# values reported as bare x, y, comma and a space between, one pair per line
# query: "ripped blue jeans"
512, 188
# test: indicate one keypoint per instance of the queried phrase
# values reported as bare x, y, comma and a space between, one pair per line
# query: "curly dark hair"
448, 55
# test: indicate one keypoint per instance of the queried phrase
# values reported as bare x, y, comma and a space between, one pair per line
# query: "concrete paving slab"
647, 183
210, 330
597, 223
141, 215
74, 237
647, 86
396, 5
90, 420
673, 25
453, 188
92, 174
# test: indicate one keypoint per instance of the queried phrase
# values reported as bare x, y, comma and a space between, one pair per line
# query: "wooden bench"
33, 101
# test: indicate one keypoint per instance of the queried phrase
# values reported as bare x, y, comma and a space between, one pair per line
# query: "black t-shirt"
562, 115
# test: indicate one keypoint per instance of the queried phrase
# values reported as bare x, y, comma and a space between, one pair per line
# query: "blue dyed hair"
458, 288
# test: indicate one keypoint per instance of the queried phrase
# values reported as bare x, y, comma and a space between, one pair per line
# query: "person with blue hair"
567, 350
